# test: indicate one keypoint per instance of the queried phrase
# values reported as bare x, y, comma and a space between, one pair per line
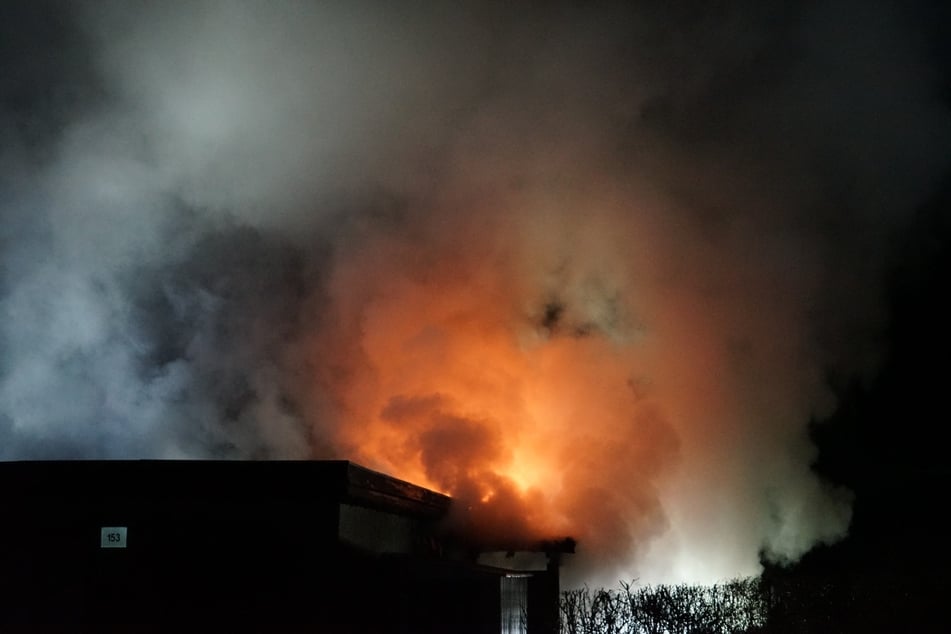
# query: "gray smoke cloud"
234, 229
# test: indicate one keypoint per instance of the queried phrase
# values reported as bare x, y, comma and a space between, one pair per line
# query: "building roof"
288, 481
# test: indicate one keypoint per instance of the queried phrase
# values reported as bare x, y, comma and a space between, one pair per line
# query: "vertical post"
544, 596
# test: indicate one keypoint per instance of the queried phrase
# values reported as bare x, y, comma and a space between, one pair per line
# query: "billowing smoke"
584, 268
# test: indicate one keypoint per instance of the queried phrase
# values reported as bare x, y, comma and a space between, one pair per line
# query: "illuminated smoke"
584, 269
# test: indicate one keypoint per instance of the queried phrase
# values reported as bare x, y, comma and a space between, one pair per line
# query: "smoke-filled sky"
585, 268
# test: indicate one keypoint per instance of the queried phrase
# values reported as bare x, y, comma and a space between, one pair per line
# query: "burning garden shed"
156, 545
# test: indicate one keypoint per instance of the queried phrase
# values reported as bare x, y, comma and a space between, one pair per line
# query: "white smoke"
189, 238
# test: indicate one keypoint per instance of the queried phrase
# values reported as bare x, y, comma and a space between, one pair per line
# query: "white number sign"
113, 537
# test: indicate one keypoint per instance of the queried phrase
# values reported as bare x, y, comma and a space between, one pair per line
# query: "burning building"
588, 268
290, 546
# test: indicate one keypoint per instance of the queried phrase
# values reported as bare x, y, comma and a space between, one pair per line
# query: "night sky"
665, 277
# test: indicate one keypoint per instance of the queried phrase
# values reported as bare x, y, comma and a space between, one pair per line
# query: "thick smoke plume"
584, 268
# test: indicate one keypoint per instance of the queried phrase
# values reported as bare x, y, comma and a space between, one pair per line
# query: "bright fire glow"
470, 382
607, 396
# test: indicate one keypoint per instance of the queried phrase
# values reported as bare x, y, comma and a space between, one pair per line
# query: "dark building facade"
320, 546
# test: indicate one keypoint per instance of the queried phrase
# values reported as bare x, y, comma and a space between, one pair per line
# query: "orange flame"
463, 378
